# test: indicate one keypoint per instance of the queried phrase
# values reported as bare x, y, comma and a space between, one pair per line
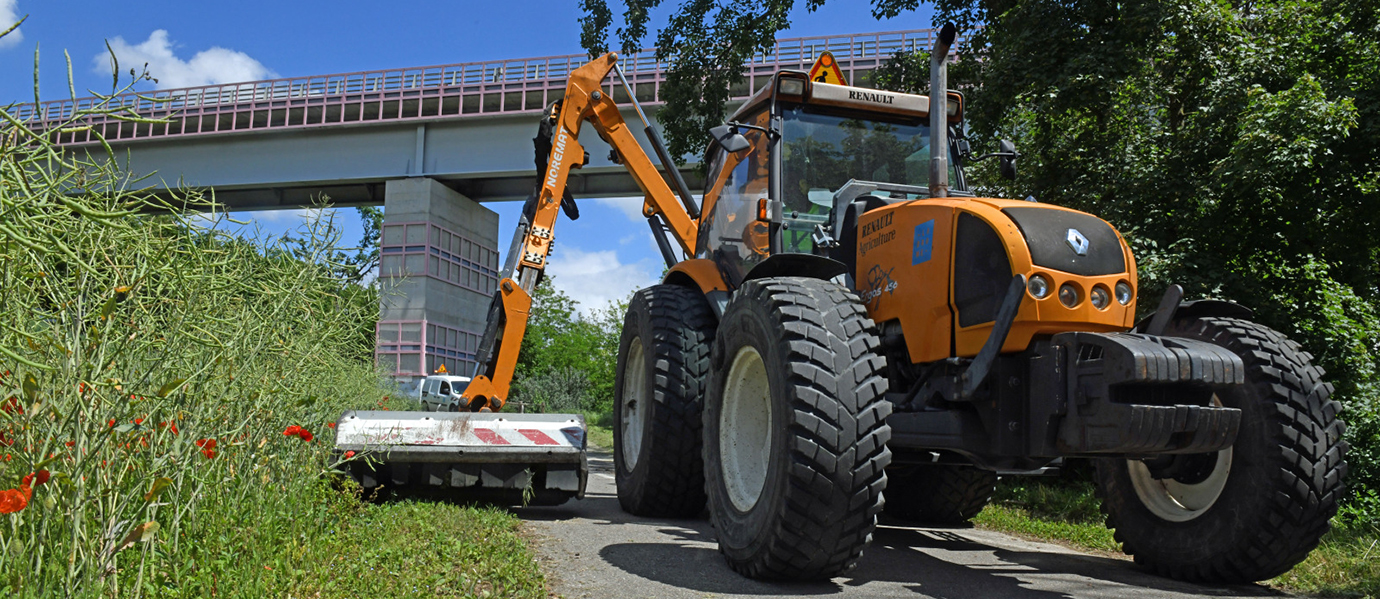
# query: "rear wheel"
1253, 510
795, 429
663, 361
938, 494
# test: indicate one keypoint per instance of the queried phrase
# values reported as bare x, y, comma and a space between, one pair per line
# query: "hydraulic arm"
585, 100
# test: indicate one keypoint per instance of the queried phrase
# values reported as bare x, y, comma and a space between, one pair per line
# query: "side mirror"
730, 138
1007, 160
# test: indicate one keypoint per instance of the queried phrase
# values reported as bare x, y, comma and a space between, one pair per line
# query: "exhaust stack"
939, 112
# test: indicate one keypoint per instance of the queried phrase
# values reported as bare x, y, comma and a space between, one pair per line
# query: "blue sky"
604, 255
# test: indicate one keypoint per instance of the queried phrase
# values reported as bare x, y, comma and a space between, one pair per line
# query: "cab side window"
445, 388
732, 236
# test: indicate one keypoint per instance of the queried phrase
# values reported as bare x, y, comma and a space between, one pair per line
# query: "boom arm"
584, 100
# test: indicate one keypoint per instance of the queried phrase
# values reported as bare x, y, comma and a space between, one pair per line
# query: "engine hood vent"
1072, 242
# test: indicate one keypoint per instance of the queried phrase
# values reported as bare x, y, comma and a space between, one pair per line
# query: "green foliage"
567, 361
151, 365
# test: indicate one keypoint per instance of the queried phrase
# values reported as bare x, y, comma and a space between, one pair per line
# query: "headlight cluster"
1071, 295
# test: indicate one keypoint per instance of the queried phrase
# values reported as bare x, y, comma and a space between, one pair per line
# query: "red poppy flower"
111, 423
330, 424
70, 443
349, 454
13, 500
292, 431
138, 421
306, 435
173, 428
11, 405
206, 443
36, 479
209, 453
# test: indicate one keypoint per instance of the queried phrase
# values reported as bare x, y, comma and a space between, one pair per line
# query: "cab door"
730, 233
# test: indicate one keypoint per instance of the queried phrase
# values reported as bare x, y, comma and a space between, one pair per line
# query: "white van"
441, 392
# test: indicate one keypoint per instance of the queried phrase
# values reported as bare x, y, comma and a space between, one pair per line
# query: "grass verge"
600, 425
1345, 564
414, 548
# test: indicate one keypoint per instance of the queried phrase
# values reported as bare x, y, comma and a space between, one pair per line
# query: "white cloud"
631, 207
595, 278
207, 67
9, 15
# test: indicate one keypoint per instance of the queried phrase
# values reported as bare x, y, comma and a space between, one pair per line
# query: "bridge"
428, 143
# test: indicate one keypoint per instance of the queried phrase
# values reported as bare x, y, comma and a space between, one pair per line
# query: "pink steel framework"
427, 249
465, 90
419, 347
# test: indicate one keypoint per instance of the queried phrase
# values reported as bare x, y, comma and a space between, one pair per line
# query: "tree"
566, 354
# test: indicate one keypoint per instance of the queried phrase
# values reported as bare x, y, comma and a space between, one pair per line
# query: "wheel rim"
632, 412
1177, 501
745, 429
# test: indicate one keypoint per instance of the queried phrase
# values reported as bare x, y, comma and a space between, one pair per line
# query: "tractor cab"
777, 180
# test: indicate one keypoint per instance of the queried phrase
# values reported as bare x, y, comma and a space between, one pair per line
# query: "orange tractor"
852, 332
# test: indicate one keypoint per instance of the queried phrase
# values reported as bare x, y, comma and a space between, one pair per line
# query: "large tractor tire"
1253, 510
945, 495
663, 362
795, 430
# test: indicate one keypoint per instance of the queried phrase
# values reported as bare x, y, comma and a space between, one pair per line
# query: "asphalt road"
591, 548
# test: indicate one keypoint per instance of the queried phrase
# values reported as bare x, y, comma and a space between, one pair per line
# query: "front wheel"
795, 430
1253, 510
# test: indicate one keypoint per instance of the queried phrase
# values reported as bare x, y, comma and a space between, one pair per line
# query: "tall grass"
151, 365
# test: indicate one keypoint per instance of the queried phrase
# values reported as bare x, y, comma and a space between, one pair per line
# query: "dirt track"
591, 548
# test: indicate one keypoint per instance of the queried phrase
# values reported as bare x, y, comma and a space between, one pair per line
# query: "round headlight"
1038, 286
1123, 293
1068, 295
1099, 297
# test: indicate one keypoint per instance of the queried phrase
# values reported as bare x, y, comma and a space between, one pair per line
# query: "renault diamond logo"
1078, 242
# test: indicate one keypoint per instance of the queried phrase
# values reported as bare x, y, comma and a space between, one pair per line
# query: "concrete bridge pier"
438, 268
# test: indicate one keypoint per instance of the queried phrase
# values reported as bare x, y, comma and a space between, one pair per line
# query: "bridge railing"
464, 90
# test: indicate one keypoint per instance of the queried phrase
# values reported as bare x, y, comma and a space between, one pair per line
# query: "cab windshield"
821, 151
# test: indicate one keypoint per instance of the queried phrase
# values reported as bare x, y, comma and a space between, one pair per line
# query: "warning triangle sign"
826, 70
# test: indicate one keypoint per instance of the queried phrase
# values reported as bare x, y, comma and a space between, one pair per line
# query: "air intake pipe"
939, 112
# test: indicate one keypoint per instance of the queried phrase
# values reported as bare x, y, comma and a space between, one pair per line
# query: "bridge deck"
443, 92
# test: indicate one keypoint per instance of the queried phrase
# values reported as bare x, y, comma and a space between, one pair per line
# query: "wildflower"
37, 479
137, 420
297, 431
70, 443
11, 405
330, 424
14, 500
208, 447
111, 423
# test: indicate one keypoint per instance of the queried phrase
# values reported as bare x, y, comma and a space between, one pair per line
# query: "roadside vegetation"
166, 398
